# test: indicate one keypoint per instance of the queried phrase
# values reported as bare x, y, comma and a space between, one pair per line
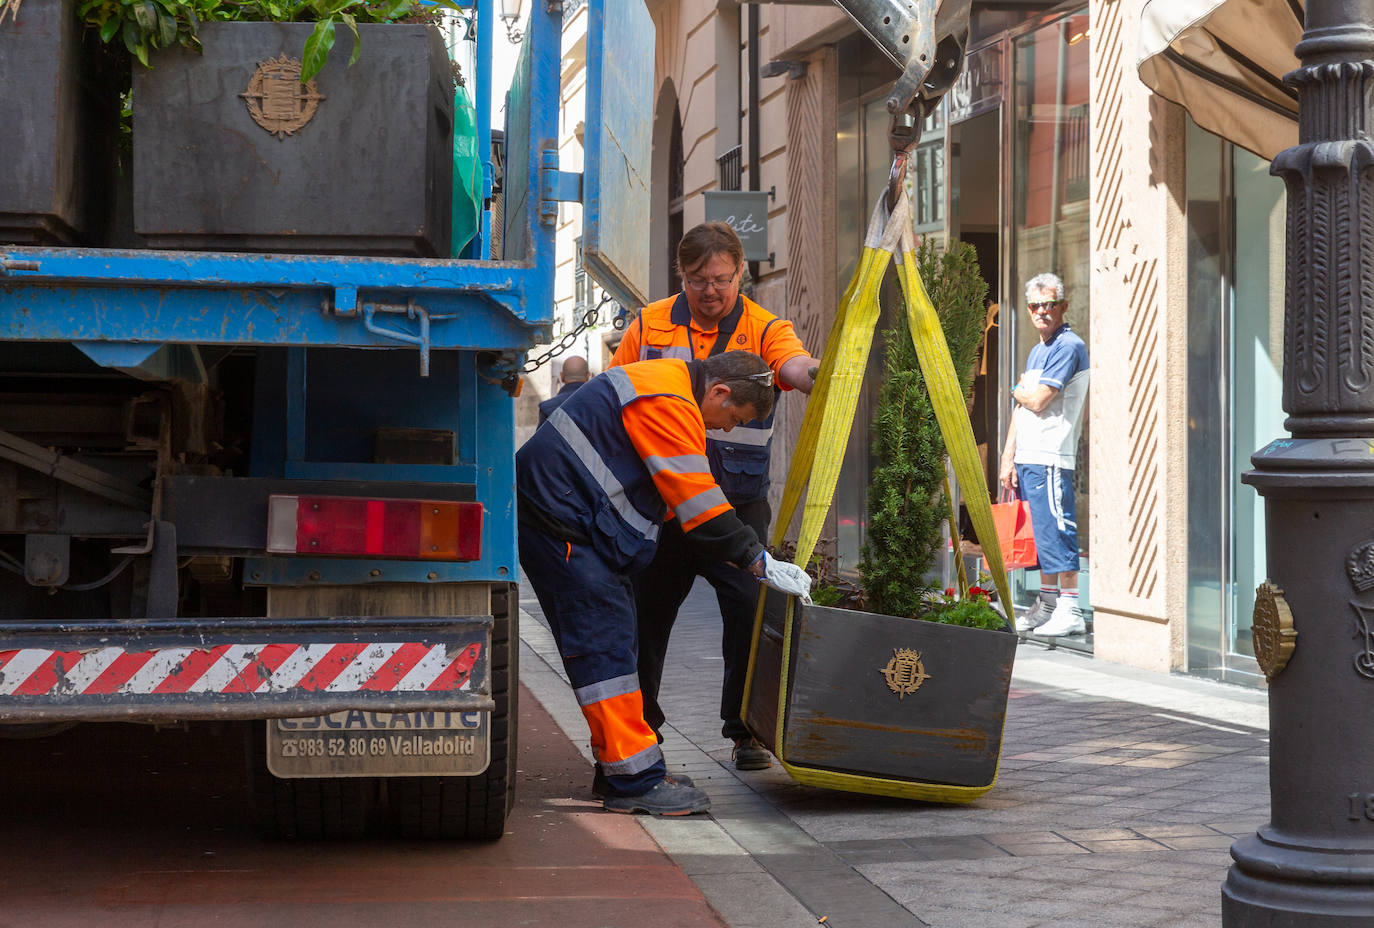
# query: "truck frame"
180, 432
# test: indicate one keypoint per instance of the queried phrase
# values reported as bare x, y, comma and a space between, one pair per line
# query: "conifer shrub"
907, 504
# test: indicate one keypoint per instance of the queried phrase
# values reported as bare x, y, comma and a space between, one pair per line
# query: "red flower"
949, 591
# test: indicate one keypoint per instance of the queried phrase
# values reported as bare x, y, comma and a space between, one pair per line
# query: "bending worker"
709, 318
594, 485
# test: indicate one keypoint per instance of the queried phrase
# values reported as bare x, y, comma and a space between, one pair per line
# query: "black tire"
454, 808
314, 809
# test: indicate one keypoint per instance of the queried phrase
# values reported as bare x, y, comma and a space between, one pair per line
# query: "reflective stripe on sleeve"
582, 447
741, 435
605, 689
678, 464
689, 509
624, 390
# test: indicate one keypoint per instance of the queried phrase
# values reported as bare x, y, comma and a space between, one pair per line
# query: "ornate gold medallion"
905, 673
278, 100
1274, 635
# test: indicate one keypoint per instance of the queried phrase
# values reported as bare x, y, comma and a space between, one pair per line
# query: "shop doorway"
975, 159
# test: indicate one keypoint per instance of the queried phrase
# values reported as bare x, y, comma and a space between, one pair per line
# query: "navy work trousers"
590, 610
659, 592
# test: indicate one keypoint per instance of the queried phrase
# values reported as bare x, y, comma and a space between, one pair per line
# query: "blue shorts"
1049, 491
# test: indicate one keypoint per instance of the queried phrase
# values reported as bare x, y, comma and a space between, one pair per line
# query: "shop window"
863, 164
1050, 223
1235, 222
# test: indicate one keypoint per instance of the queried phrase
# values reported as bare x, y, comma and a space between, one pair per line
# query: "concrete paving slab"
1120, 792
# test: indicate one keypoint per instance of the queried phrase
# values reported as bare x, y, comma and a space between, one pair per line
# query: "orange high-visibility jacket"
621, 452
664, 329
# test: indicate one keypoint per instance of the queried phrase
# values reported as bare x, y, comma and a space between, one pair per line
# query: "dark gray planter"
58, 129
856, 703
369, 173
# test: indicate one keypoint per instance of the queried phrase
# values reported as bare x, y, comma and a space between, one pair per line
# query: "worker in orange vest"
594, 485
708, 318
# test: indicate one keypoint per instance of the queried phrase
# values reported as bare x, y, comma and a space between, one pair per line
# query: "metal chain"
588, 320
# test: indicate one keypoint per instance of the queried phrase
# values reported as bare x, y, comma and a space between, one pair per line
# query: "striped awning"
1224, 61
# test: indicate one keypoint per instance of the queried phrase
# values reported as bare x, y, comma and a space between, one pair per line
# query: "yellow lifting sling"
820, 449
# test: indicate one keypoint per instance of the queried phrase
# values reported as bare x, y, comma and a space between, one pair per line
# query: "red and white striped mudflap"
401, 667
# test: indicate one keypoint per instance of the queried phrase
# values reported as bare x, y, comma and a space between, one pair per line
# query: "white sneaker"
1065, 620
1034, 617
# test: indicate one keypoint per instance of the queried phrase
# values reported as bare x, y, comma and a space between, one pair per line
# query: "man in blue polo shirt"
1038, 460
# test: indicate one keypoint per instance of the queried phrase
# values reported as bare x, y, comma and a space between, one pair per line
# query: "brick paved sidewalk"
1119, 796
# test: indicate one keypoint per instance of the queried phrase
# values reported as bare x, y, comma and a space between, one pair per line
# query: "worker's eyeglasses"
1042, 307
764, 377
720, 283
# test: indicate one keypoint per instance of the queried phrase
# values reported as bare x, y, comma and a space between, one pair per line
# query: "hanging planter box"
232, 152
878, 704
59, 115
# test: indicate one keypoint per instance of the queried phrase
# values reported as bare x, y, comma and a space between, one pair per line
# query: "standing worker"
594, 485
1038, 460
707, 319
573, 375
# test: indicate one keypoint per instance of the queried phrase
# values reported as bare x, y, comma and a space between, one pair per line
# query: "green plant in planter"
972, 611
143, 26
907, 502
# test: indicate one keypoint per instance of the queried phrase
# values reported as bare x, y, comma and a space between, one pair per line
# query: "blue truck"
278, 489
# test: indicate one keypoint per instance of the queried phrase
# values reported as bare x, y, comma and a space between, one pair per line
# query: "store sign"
979, 87
745, 211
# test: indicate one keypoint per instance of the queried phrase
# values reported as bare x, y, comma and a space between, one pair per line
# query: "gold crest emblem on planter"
1274, 635
905, 673
278, 100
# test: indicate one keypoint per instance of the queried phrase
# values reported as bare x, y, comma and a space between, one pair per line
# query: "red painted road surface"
119, 826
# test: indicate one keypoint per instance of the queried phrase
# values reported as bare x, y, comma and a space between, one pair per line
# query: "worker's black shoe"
669, 797
601, 789
750, 755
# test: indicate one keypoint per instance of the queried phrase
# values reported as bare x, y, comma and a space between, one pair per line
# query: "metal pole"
754, 104
1060, 89
1312, 866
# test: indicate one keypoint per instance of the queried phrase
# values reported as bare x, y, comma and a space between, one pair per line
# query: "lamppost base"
1275, 884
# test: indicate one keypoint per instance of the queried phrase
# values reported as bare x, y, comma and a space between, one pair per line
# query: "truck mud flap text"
364, 744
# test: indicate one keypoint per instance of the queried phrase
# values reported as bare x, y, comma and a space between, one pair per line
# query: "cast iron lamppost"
1312, 866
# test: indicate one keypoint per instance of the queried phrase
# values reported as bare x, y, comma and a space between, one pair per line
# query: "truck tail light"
421, 529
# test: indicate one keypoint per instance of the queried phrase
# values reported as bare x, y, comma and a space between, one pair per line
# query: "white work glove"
786, 577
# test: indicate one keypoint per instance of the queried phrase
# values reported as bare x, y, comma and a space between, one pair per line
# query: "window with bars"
582, 295
728, 165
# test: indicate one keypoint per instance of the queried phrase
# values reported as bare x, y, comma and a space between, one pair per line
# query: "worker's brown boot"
750, 755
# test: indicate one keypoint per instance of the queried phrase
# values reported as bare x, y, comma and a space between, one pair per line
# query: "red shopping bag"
1013, 523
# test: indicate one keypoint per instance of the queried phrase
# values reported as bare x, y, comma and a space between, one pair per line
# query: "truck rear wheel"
315, 809
473, 807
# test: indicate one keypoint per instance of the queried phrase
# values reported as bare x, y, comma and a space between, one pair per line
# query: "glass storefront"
1009, 174
1049, 218
863, 162
1235, 215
